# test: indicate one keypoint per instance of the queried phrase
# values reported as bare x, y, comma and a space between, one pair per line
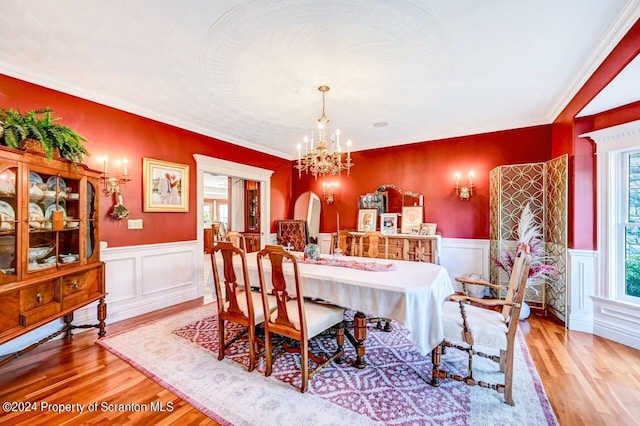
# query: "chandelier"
323, 158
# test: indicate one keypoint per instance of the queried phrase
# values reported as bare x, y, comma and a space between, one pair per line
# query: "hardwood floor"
589, 380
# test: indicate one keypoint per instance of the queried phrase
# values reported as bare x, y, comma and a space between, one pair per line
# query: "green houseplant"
22, 130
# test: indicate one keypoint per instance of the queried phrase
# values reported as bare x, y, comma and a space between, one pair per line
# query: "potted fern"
38, 131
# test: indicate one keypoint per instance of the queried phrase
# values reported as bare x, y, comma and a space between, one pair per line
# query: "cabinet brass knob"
39, 298
75, 285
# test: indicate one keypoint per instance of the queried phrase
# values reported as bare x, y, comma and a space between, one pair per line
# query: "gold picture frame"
411, 217
367, 220
165, 186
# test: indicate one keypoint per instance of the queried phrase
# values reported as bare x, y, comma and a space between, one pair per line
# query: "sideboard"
417, 248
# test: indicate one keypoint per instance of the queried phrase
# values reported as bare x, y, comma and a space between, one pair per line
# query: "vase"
525, 311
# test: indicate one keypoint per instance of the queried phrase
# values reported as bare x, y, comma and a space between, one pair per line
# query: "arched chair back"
345, 241
294, 316
370, 243
236, 302
235, 238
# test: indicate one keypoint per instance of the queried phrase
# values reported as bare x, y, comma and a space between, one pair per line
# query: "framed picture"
165, 186
428, 228
367, 219
389, 223
411, 216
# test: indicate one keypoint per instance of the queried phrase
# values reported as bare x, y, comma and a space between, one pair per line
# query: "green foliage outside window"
633, 275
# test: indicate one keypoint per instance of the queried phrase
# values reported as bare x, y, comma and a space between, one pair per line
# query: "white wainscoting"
139, 279
581, 278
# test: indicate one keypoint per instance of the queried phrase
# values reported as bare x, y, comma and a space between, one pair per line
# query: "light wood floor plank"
589, 380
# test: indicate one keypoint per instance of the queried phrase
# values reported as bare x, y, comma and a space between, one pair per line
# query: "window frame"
622, 187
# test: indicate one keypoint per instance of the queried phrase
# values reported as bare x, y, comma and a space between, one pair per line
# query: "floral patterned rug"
180, 353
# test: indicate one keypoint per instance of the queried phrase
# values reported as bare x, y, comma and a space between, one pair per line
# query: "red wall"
429, 168
119, 134
567, 129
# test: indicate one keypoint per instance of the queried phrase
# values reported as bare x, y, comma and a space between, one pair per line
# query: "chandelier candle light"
324, 158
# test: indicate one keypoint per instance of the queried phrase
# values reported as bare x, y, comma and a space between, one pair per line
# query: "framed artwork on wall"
411, 216
367, 219
165, 186
389, 223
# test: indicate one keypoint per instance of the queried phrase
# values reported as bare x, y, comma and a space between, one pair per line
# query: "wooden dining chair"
345, 241
235, 238
236, 302
369, 245
469, 321
295, 318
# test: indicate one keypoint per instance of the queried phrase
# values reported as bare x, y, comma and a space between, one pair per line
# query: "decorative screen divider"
544, 187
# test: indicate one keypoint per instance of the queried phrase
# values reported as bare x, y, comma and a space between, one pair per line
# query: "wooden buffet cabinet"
49, 250
418, 248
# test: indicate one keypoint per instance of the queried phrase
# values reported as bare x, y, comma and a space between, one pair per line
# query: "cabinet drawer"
32, 316
37, 295
38, 302
73, 284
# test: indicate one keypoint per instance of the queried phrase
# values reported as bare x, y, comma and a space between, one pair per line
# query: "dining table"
408, 292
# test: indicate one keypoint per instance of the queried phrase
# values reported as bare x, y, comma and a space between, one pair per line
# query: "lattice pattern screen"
544, 187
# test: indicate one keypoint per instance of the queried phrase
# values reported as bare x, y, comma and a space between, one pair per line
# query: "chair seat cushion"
256, 299
487, 326
319, 316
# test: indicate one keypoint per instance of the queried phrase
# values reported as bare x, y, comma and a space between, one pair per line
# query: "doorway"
234, 172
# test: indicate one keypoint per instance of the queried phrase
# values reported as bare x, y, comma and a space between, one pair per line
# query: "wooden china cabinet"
49, 250
252, 215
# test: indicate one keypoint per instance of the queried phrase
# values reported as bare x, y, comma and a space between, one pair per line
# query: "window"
629, 229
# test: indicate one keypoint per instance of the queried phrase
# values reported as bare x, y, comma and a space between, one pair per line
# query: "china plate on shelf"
36, 216
53, 207
35, 178
52, 182
7, 179
7, 213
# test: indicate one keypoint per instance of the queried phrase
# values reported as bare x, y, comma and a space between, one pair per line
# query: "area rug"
180, 353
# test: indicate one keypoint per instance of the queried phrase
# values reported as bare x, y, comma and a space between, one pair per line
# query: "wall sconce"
328, 191
112, 184
464, 192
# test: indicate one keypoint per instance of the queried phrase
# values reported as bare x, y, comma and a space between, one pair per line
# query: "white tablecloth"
412, 294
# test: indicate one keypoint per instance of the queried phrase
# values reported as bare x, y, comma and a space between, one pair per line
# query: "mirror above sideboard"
389, 198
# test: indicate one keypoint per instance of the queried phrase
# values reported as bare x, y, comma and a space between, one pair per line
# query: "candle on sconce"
105, 160
349, 150
457, 179
124, 166
471, 178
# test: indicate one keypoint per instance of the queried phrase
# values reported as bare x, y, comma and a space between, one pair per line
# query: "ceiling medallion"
323, 158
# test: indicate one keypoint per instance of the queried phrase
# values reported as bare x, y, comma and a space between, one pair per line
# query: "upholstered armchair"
292, 233
469, 321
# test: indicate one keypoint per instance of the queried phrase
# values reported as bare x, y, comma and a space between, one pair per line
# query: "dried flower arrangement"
542, 270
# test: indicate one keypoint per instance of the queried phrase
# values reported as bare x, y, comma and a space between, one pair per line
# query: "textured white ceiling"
247, 72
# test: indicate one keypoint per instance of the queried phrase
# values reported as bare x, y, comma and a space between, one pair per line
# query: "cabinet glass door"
54, 221
8, 224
